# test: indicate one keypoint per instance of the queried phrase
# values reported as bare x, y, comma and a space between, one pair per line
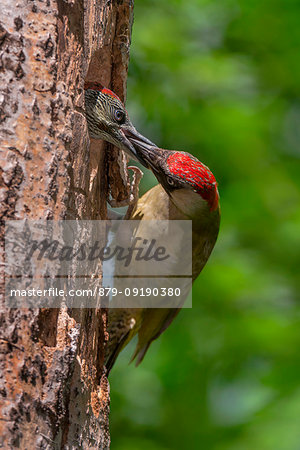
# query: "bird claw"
133, 198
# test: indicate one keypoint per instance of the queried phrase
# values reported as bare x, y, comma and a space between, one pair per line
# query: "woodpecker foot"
133, 198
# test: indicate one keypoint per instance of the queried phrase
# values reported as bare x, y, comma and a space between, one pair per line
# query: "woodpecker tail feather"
140, 353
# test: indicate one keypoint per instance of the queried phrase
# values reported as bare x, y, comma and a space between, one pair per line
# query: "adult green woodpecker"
187, 190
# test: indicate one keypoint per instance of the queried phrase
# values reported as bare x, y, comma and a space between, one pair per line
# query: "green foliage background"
220, 79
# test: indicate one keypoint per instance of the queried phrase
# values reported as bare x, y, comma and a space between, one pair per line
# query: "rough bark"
52, 384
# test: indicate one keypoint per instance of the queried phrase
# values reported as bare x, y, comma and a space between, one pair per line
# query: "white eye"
170, 181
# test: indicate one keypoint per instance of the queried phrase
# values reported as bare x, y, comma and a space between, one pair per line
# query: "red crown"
197, 174
99, 87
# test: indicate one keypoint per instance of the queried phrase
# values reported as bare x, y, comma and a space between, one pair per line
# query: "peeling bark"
54, 392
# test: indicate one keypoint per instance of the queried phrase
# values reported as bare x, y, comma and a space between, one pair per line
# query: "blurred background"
220, 79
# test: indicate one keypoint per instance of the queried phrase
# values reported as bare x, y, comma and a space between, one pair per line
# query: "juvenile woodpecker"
187, 190
108, 119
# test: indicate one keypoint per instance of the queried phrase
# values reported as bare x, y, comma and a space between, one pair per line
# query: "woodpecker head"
189, 183
108, 119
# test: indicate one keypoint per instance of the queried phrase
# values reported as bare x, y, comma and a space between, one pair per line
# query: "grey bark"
54, 392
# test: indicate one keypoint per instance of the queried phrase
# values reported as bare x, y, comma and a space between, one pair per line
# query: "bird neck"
187, 205
156, 204
190, 203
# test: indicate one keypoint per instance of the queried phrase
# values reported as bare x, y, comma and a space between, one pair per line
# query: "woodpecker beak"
130, 135
147, 153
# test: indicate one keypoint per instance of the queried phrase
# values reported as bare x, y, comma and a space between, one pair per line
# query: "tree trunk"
53, 387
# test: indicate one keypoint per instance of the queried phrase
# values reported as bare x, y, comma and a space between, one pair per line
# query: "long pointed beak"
147, 152
131, 135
